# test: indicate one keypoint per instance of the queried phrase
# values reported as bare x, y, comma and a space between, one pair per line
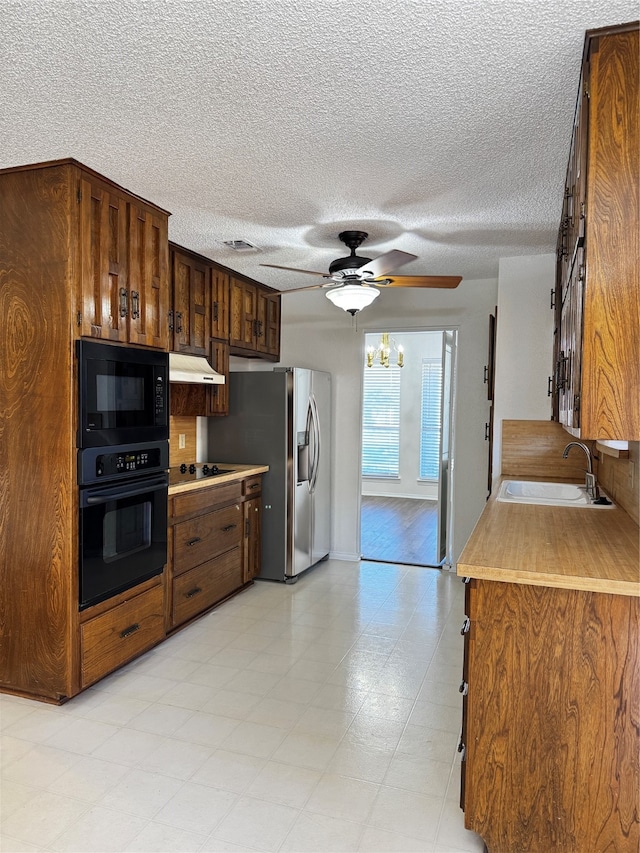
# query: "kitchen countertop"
589, 549
240, 472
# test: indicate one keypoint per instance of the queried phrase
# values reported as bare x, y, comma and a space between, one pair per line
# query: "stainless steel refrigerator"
282, 419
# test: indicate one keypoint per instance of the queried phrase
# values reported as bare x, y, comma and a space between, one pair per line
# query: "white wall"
316, 334
417, 345
524, 343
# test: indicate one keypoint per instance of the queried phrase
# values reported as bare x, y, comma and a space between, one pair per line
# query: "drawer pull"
466, 580
464, 688
192, 592
228, 528
254, 486
130, 630
465, 626
193, 541
460, 745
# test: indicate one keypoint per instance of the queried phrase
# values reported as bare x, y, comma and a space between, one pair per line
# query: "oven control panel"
96, 464
108, 464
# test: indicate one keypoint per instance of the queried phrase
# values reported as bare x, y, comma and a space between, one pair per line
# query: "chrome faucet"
590, 477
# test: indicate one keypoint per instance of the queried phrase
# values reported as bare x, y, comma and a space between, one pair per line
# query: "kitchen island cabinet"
551, 680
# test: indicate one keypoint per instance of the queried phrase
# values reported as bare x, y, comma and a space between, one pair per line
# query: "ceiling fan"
350, 279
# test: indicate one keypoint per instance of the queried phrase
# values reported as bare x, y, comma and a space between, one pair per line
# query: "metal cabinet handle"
228, 528
179, 322
460, 746
194, 540
124, 302
465, 626
192, 592
464, 688
135, 305
486, 374
130, 630
171, 320
254, 486
486, 432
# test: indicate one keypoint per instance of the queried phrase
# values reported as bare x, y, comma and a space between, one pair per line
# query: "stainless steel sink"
549, 494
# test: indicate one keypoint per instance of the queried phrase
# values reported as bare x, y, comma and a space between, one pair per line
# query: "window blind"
430, 420
381, 422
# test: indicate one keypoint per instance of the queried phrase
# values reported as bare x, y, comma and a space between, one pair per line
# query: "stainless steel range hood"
193, 369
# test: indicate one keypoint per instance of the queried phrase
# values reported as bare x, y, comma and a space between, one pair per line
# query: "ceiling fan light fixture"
352, 297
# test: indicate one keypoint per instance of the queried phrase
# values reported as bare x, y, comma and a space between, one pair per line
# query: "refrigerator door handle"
315, 420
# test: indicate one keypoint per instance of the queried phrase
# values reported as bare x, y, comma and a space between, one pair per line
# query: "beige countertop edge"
239, 473
493, 573
524, 543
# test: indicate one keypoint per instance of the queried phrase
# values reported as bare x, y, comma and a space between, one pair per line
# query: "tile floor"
322, 716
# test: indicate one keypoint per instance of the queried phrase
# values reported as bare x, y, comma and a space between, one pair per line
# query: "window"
430, 420
381, 422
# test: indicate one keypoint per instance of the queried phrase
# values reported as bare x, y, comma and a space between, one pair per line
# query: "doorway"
407, 428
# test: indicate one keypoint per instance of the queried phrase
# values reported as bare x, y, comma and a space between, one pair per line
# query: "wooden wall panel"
613, 476
187, 427
38, 492
534, 449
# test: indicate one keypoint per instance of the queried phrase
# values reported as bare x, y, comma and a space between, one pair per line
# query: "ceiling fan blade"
310, 287
385, 263
420, 281
293, 269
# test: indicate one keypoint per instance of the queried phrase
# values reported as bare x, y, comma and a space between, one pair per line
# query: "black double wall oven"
123, 457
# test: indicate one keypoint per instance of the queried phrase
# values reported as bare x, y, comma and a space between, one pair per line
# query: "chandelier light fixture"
352, 297
382, 352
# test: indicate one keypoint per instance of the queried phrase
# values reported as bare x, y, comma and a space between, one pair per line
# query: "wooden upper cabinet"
268, 331
219, 304
598, 355
191, 311
254, 320
218, 395
148, 277
243, 314
123, 282
104, 303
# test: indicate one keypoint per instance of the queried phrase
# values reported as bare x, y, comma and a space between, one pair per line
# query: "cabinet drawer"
198, 589
252, 486
205, 537
109, 640
200, 500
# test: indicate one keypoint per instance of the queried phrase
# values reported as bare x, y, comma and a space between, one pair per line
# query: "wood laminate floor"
399, 530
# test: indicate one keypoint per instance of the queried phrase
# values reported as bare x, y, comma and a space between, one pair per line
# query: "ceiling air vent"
240, 245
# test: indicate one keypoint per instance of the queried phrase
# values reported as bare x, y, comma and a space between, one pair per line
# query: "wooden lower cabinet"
550, 720
252, 538
202, 587
215, 551
111, 639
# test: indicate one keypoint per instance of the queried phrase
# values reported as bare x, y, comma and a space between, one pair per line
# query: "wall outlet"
182, 440
631, 473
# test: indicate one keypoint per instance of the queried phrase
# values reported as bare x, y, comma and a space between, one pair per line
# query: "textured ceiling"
441, 127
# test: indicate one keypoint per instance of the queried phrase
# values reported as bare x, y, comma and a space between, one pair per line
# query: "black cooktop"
195, 471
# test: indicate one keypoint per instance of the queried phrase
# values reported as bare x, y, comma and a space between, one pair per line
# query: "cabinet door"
148, 276
191, 305
218, 395
268, 330
252, 547
104, 291
243, 318
570, 369
220, 305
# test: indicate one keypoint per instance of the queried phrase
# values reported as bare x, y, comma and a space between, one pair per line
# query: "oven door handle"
91, 497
